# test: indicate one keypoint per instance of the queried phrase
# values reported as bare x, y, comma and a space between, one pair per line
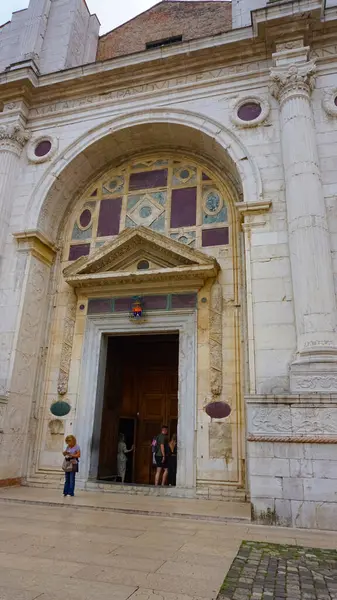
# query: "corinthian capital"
13, 137
292, 78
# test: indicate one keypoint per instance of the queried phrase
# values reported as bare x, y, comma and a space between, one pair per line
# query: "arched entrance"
218, 445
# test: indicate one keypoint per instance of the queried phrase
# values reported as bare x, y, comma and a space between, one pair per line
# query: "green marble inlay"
78, 234
133, 200
129, 222
159, 224
185, 237
221, 217
160, 197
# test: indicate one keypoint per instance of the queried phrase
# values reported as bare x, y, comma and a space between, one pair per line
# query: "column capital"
13, 137
293, 78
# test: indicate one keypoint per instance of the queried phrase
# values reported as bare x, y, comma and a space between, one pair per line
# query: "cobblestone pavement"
263, 571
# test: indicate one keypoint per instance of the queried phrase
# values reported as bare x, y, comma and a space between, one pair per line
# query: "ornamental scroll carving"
215, 340
292, 78
13, 137
67, 344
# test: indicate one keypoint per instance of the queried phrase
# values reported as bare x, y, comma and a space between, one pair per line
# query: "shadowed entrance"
141, 393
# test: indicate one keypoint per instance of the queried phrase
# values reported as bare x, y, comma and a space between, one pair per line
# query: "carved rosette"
215, 340
13, 138
67, 344
292, 79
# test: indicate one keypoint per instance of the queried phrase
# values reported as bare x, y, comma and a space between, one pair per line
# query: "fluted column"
315, 365
12, 139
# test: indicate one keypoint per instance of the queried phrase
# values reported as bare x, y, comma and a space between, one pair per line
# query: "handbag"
67, 466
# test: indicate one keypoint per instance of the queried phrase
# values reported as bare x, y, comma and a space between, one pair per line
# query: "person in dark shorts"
161, 456
172, 460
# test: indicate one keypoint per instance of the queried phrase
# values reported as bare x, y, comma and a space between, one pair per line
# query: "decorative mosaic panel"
215, 237
154, 302
109, 217
170, 195
76, 251
185, 237
148, 179
184, 207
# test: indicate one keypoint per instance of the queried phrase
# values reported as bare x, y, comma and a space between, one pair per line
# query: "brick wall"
192, 20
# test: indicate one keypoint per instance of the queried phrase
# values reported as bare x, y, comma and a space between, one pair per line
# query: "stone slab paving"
53, 552
264, 571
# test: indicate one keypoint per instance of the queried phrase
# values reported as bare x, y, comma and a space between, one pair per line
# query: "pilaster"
315, 365
13, 138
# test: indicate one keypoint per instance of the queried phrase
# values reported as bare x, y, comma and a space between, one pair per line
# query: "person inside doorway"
122, 451
172, 460
162, 452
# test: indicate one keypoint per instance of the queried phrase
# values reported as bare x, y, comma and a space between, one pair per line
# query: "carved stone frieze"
215, 340
316, 382
67, 344
292, 78
270, 420
13, 137
329, 102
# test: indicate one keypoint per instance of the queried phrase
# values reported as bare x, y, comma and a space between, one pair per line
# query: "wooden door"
157, 402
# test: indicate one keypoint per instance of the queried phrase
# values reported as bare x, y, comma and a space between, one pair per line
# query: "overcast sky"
111, 13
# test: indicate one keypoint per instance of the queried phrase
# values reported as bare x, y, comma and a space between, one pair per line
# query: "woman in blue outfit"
71, 453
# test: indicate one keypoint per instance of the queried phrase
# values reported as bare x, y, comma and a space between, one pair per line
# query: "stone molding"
305, 439
290, 79
35, 141
109, 264
37, 244
328, 102
67, 346
13, 138
265, 110
91, 387
215, 340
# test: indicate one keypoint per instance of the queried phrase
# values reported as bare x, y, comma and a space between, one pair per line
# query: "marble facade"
263, 335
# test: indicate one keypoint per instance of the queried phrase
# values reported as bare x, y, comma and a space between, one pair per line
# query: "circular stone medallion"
218, 410
145, 212
60, 408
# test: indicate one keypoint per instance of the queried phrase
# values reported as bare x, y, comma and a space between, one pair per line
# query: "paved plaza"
51, 551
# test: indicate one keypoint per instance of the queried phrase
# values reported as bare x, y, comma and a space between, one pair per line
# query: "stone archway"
139, 132
59, 189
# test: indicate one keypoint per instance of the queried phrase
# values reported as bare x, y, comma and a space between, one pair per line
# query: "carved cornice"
37, 244
13, 137
291, 79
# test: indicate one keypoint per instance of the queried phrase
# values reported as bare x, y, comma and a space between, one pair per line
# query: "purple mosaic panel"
215, 237
85, 218
249, 111
205, 177
184, 300
155, 302
42, 148
148, 179
184, 207
94, 193
109, 217
99, 305
123, 304
78, 250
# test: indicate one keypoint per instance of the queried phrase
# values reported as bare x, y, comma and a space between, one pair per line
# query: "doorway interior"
140, 395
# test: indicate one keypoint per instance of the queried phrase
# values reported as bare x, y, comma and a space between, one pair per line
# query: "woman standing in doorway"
172, 460
72, 454
121, 456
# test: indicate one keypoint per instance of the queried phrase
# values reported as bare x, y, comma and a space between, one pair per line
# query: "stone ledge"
302, 399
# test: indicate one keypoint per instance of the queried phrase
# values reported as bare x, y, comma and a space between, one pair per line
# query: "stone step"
163, 507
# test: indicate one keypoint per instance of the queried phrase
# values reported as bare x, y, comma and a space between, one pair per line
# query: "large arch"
122, 136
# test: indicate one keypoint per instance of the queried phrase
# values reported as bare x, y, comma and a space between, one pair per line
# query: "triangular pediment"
118, 259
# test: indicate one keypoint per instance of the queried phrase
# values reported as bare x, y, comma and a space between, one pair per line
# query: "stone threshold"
163, 507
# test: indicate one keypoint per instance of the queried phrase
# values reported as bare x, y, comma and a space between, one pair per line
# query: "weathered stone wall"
53, 34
